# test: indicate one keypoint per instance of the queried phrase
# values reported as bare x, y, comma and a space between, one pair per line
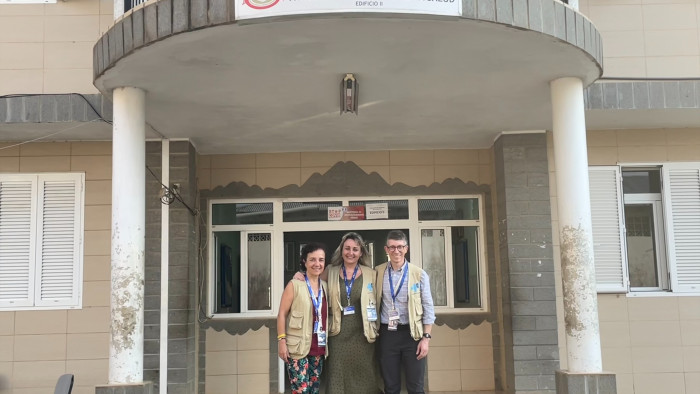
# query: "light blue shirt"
402, 297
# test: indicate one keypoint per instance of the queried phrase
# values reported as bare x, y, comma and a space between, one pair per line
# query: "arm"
428, 315
285, 306
424, 343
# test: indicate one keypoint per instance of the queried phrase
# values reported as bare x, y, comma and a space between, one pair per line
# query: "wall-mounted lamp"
348, 94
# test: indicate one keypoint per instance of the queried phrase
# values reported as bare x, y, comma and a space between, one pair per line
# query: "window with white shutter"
41, 248
608, 229
682, 201
646, 234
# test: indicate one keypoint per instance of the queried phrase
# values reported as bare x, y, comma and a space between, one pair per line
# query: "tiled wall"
651, 343
47, 48
648, 38
36, 347
51, 44
461, 360
414, 168
238, 363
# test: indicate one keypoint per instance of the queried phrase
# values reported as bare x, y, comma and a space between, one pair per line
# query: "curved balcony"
273, 83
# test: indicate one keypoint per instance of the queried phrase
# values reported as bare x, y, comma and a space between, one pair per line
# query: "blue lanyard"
348, 286
316, 300
391, 283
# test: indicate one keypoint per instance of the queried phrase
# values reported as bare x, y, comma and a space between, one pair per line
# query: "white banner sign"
246, 9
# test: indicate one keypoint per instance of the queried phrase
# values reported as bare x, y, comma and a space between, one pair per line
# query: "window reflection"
448, 209
259, 271
307, 211
433, 255
641, 246
241, 213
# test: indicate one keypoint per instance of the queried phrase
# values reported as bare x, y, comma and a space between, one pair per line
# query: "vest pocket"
418, 308
293, 345
296, 320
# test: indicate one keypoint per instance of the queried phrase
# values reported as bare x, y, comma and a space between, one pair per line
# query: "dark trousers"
397, 351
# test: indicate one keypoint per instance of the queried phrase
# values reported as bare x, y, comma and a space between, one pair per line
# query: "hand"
298, 276
282, 351
423, 347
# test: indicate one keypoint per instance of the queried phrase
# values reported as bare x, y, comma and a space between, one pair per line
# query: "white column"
128, 235
119, 8
575, 234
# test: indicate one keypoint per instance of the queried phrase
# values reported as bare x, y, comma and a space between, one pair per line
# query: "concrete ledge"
575, 383
160, 19
52, 108
136, 388
643, 94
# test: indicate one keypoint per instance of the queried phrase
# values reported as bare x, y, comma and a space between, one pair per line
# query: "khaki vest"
368, 297
415, 305
300, 324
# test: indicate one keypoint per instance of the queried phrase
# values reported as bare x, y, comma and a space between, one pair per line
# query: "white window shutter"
682, 205
59, 240
17, 234
608, 226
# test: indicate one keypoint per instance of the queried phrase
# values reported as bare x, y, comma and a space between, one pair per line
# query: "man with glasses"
406, 315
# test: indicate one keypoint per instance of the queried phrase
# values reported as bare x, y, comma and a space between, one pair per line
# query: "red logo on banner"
260, 4
346, 213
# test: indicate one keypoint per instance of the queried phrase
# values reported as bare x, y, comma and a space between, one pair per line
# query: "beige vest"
415, 306
300, 324
368, 297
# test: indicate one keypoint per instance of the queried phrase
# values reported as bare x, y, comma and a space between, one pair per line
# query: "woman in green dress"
352, 317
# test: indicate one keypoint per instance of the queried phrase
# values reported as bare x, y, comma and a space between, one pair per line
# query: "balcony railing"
129, 4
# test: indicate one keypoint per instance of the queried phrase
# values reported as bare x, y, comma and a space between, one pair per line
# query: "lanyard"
348, 286
317, 301
391, 284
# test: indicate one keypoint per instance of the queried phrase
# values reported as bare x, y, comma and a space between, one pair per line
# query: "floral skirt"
304, 374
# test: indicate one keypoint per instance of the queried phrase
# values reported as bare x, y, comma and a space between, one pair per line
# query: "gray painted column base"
136, 388
585, 383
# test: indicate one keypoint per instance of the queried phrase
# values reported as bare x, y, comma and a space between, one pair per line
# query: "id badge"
349, 310
393, 324
321, 336
371, 313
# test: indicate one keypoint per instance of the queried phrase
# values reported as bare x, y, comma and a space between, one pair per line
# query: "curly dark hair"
310, 248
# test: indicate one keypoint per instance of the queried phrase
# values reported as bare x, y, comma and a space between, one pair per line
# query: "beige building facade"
247, 127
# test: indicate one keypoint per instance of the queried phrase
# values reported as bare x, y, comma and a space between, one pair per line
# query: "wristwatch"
426, 335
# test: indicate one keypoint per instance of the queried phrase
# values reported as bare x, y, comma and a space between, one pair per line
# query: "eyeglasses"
393, 248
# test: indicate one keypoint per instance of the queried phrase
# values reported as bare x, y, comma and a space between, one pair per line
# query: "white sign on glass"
378, 210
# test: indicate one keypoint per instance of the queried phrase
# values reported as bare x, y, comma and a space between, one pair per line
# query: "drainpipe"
164, 261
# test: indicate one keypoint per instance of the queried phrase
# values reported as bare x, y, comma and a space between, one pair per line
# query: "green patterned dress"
351, 366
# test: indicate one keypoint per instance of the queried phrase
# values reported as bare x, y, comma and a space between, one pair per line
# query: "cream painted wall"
459, 360
414, 168
238, 363
648, 38
36, 347
47, 48
651, 343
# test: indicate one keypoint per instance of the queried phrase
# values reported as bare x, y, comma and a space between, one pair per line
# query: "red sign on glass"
346, 213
